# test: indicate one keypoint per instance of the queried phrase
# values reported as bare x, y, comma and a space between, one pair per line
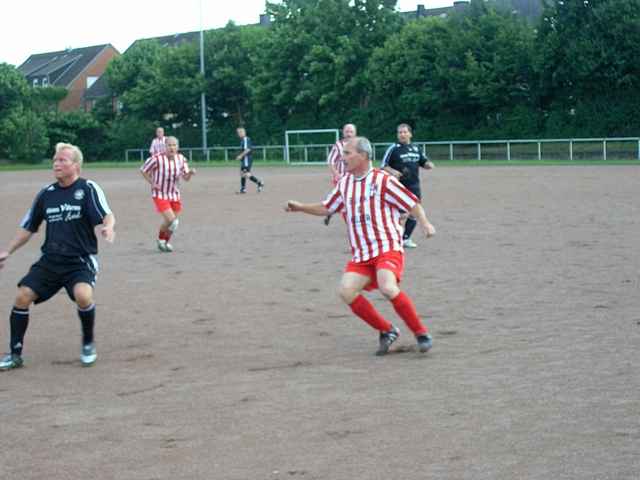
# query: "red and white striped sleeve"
150, 164
397, 194
334, 201
185, 165
334, 155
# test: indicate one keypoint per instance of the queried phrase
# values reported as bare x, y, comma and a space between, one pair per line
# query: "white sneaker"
88, 355
408, 243
162, 245
168, 247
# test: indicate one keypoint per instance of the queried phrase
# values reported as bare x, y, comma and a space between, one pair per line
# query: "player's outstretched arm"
187, 176
107, 228
311, 208
22, 237
418, 213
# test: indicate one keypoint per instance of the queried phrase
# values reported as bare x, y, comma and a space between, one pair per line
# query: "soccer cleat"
88, 355
241, 191
162, 245
387, 339
168, 247
425, 342
260, 187
11, 361
408, 243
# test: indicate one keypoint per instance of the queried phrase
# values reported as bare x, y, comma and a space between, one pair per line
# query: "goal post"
309, 147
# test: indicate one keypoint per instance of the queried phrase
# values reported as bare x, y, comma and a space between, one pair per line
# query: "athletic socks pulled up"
367, 312
405, 308
409, 227
19, 320
87, 319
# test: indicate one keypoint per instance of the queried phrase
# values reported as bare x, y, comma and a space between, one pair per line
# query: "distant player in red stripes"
335, 160
373, 202
158, 145
163, 172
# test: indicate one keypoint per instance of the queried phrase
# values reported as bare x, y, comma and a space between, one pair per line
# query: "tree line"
482, 72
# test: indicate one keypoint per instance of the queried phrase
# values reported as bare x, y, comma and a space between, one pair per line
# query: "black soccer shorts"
51, 273
245, 165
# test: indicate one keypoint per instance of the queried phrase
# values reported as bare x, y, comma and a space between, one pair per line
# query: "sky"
38, 26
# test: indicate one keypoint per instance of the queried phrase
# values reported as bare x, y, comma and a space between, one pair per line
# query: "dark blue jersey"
246, 144
71, 214
406, 159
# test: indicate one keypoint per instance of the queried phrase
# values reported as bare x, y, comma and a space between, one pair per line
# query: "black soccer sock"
19, 322
409, 227
254, 179
243, 183
88, 319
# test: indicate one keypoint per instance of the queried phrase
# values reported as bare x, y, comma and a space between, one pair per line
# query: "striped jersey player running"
158, 145
373, 202
335, 160
163, 172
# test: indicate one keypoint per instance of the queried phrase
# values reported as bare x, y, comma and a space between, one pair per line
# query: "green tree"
230, 54
587, 63
13, 88
466, 75
79, 128
23, 136
311, 71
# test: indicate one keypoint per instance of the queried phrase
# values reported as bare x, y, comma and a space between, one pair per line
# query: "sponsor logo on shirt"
64, 212
78, 194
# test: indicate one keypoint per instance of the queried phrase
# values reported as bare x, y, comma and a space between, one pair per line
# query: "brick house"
75, 69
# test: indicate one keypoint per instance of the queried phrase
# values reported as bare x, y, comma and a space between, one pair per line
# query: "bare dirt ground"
232, 358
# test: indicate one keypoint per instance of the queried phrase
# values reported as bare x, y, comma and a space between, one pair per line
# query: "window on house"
45, 82
35, 82
91, 81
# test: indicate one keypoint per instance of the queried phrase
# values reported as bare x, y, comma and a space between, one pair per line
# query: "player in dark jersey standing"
74, 208
403, 160
246, 161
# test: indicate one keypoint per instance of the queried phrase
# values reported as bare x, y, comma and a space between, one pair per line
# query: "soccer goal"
307, 147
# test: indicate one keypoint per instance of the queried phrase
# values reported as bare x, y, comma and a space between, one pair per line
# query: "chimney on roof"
421, 11
265, 20
459, 5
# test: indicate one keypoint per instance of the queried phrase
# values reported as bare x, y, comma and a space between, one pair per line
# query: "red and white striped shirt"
336, 160
373, 206
166, 175
158, 146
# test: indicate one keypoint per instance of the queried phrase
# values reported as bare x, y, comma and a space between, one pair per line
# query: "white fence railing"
594, 149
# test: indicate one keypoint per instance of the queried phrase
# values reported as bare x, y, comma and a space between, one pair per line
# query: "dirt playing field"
233, 359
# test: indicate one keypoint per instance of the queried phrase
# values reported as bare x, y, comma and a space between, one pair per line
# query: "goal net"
307, 147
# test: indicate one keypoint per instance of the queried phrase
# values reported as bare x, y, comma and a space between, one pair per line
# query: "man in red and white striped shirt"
158, 145
335, 160
163, 172
373, 202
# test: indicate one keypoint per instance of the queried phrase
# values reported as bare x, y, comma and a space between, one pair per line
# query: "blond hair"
77, 153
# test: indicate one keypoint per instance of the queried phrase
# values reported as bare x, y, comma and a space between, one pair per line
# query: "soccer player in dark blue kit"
246, 161
74, 209
403, 160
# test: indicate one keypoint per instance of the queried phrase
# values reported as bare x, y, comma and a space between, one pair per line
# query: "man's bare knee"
25, 297
347, 294
390, 291
83, 294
